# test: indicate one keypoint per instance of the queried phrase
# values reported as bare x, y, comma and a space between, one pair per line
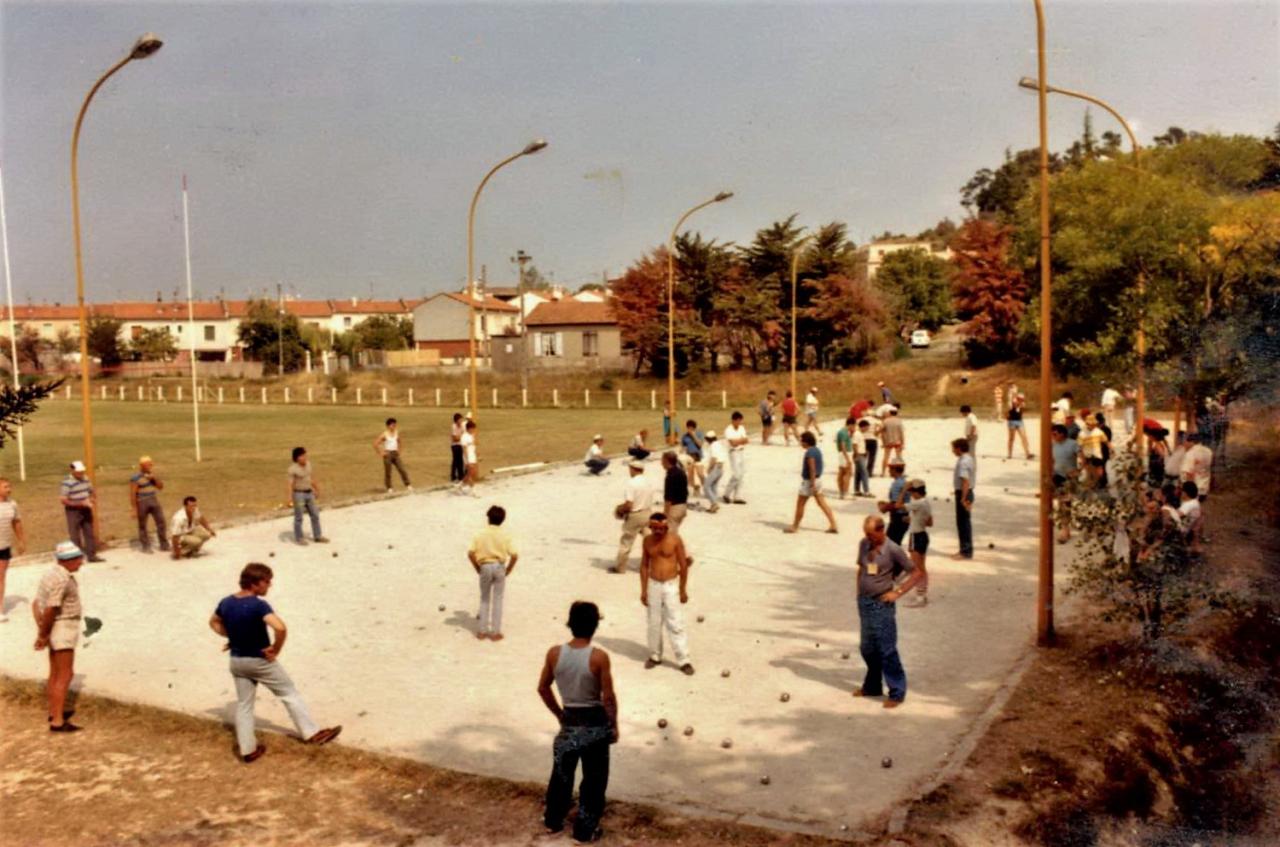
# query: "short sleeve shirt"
971, 426
594, 452
469, 448
719, 452
1065, 457
300, 476
859, 442
895, 490
692, 443
1198, 465
58, 587
146, 484
877, 569
493, 544
811, 404
244, 619
8, 514
180, 525
789, 407
735, 432
919, 510
816, 455
965, 470
1109, 398
844, 440
893, 430
77, 490
639, 493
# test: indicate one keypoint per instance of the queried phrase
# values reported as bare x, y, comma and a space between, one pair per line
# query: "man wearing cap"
634, 511
144, 488
78, 501
57, 612
189, 529
717, 459
595, 459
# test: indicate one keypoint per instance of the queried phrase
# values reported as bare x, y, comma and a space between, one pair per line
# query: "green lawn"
246, 452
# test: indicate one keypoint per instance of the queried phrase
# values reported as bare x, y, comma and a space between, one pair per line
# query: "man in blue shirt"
811, 483
880, 563
895, 506
242, 618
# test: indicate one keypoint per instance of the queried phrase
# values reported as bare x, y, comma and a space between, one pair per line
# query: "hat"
636, 465
814, 389
897, 463
77, 465
597, 437
711, 434
144, 460
880, 384
915, 483
66, 551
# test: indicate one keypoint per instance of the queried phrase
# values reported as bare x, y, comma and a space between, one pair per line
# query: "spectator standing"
767, 406
896, 506
1108, 401
144, 497
668, 425
1197, 466
717, 461
691, 457
595, 459
921, 518
811, 484
861, 481
811, 408
493, 555
1066, 467
1062, 407
304, 492
387, 445
999, 393
470, 460
894, 436
880, 563
874, 427
13, 538
886, 395
634, 510
970, 430
736, 436
79, 501
675, 491
57, 611
963, 480
588, 722
242, 618
1016, 425
664, 567
457, 467
844, 451
188, 529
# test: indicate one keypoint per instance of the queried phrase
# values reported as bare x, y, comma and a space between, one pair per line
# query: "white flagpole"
191, 316
13, 332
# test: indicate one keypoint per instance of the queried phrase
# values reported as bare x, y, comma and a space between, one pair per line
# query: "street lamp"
144, 47
795, 265
529, 149
1140, 404
671, 300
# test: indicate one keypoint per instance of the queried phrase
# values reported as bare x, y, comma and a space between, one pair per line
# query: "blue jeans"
861, 483
597, 466
879, 635
964, 524
305, 500
711, 485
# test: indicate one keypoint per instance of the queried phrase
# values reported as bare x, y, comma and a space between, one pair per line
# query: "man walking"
304, 492
811, 411
57, 612
144, 488
634, 510
894, 436
664, 565
811, 484
963, 480
675, 491
588, 722
188, 529
880, 563
457, 468
13, 538
387, 445
493, 555
595, 459
242, 618
717, 460
78, 502
736, 436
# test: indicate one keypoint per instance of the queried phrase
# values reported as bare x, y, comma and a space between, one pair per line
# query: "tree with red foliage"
640, 305
853, 317
990, 295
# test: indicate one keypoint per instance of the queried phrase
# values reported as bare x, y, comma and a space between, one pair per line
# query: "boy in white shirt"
736, 436
595, 459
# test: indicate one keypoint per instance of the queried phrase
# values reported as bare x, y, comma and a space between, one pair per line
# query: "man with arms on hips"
717, 461
894, 436
811, 484
188, 529
493, 555
595, 459
387, 445
144, 496
13, 539
304, 491
78, 502
664, 567
57, 612
880, 563
736, 436
633, 511
242, 618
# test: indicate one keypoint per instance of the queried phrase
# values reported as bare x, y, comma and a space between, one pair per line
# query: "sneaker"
322, 540
650, 664
66, 727
257, 754
326, 735
686, 669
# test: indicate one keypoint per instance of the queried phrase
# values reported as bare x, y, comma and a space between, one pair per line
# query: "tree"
154, 345
989, 293
103, 340
918, 285
997, 193
768, 270
30, 347
17, 405
534, 280
640, 305
853, 317
267, 334
66, 342
748, 321
701, 266
384, 332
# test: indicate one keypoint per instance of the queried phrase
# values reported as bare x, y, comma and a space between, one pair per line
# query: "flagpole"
191, 316
13, 332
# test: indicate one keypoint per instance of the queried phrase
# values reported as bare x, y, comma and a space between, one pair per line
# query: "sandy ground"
370, 648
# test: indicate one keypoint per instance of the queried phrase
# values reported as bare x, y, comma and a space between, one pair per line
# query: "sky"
333, 148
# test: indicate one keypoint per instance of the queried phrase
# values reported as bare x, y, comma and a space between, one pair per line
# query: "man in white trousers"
664, 567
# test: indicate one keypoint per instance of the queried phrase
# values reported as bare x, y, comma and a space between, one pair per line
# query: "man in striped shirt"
78, 501
144, 495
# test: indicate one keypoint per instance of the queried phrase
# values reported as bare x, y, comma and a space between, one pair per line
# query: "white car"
920, 338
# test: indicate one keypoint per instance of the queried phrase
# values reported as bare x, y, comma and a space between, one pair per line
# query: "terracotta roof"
503, 291
491, 303
300, 308
152, 311
41, 312
560, 312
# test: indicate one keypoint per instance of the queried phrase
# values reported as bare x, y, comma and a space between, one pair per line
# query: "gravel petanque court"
370, 649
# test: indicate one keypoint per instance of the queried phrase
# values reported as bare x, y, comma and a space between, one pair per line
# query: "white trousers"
737, 469
665, 611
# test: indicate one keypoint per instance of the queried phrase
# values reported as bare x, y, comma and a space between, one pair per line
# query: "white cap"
711, 433
636, 465
77, 466
597, 437
66, 551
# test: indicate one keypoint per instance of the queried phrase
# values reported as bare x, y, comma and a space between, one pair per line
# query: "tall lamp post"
1140, 404
142, 48
671, 298
795, 266
529, 149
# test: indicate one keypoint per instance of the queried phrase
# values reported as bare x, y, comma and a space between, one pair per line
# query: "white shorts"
810, 487
65, 634
846, 461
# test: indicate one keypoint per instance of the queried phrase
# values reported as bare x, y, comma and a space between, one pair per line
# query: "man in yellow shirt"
493, 554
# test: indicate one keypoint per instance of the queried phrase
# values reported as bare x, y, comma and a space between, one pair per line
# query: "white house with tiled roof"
441, 323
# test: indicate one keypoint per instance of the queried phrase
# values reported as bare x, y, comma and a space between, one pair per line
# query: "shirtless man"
664, 561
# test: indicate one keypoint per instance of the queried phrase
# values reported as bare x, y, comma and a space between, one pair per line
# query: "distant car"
920, 338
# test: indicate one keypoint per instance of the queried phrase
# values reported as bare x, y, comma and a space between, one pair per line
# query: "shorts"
813, 416
919, 542
846, 461
766, 420
1015, 424
65, 634
788, 419
810, 487
6, 554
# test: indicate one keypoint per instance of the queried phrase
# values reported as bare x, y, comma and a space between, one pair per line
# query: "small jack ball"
784, 697
688, 730
724, 673
701, 618
662, 723
991, 545
272, 554
886, 762
727, 743
844, 655
764, 780
442, 608
335, 554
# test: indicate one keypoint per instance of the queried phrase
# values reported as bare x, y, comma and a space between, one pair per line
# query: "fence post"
179, 393
333, 396
286, 394
141, 392
68, 391
384, 396
653, 399
724, 399
219, 395
410, 396
586, 397
466, 397
619, 398
264, 395
437, 396
242, 394
688, 400
311, 394
524, 397
495, 398
122, 392
159, 393
555, 397
359, 396
104, 392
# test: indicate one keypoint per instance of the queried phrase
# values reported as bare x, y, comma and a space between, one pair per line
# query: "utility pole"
280, 327
484, 320
521, 259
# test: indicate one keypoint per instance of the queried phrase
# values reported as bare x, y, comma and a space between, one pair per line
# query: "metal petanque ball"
701, 618
764, 780
662, 723
335, 554
442, 607
784, 697
991, 545
886, 762
844, 655
725, 673
688, 730
272, 554
727, 743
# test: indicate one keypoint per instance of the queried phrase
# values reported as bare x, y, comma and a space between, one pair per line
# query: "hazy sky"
334, 148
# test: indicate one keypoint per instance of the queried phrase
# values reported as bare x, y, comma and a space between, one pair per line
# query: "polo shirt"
77, 490
844, 440
639, 494
146, 484
8, 514
815, 454
244, 619
965, 469
876, 569
58, 587
735, 432
493, 544
300, 476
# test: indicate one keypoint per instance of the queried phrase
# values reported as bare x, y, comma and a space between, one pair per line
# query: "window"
346, 322
547, 344
135, 332
210, 332
591, 344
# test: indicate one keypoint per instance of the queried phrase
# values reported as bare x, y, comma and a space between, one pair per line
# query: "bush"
339, 380
606, 384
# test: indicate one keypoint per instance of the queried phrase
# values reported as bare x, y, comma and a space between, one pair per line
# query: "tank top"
390, 442
1015, 413
578, 686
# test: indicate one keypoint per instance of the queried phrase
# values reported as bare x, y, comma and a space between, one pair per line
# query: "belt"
302, 491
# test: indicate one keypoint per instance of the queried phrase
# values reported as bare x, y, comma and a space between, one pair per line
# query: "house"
576, 334
47, 320
215, 331
876, 252
348, 314
442, 323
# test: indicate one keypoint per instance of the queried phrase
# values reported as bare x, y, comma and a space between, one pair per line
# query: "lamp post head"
533, 147
722, 196
145, 46
1029, 83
